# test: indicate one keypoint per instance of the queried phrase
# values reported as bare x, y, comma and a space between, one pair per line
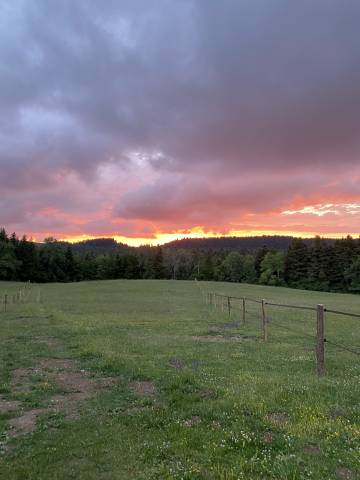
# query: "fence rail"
346, 314
225, 302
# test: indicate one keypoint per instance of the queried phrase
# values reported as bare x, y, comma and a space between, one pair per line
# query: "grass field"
142, 380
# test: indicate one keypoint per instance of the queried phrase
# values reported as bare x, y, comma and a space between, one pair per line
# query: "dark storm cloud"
220, 89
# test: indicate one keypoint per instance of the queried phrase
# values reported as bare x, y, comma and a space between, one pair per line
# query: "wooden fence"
227, 303
20, 296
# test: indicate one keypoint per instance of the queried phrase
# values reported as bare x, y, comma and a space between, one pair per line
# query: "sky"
150, 120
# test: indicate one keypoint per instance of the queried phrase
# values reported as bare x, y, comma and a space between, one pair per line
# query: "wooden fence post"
320, 340
264, 321
244, 309
229, 306
5, 301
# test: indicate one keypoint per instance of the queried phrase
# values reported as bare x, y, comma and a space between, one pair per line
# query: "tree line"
316, 266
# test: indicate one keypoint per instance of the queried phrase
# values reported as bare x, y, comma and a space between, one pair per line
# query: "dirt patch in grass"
26, 423
345, 473
143, 389
222, 339
21, 381
9, 405
80, 384
76, 385
312, 450
57, 364
105, 382
68, 404
74, 382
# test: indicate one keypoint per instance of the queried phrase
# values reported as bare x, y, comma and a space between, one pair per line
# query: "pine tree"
352, 275
318, 264
297, 264
8, 261
119, 266
28, 259
207, 268
158, 264
259, 257
52, 262
71, 266
3, 235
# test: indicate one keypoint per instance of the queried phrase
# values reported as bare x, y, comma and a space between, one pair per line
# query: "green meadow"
143, 380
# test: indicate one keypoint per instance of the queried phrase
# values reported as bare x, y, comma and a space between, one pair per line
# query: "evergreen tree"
259, 257
88, 267
344, 251
132, 267
352, 275
52, 262
71, 266
158, 267
119, 268
207, 268
8, 261
318, 265
297, 264
28, 259
14, 240
3, 235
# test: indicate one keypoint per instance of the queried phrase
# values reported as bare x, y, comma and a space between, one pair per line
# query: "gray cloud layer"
209, 91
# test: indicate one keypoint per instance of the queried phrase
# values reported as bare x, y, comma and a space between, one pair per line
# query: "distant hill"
276, 242
243, 244
100, 245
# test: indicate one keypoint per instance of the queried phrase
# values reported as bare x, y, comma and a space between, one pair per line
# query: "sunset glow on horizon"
163, 238
150, 121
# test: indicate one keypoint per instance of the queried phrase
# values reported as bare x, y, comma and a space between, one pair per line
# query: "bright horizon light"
162, 239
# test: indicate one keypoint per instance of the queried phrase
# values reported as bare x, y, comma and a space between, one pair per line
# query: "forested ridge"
318, 264
243, 244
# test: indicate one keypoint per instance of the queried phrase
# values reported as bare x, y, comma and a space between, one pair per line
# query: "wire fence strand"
217, 300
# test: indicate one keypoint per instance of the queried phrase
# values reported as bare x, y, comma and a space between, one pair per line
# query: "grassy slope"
131, 329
